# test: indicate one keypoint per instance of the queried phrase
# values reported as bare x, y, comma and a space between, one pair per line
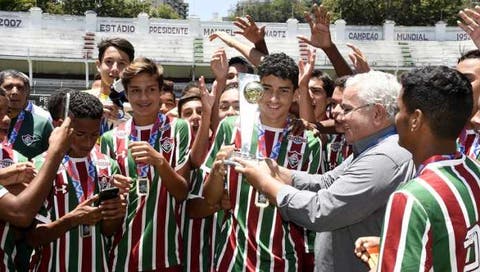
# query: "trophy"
251, 90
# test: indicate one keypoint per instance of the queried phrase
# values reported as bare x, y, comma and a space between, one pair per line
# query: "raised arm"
471, 23
359, 60
20, 210
250, 30
320, 37
219, 66
304, 100
251, 53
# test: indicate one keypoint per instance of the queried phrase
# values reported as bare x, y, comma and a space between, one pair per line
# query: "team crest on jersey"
335, 147
296, 139
6, 163
294, 158
30, 139
104, 182
167, 144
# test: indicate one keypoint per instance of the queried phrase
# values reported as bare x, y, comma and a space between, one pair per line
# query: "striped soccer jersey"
73, 250
8, 251
468, 143
253, 238
431, 223
151, 237
337, 150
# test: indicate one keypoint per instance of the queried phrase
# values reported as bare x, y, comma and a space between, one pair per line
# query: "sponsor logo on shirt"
296, 139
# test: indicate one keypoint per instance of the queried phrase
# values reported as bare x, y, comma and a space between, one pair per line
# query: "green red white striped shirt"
72, 251
8, 251
257, 239
151, 236
431, 223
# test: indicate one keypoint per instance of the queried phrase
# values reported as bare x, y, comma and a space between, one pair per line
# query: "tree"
273, 11
403, 12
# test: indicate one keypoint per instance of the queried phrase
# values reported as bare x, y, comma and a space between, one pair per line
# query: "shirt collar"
369, 141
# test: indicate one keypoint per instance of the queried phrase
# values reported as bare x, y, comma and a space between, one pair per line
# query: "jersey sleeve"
183, 141
106, 144
405, 236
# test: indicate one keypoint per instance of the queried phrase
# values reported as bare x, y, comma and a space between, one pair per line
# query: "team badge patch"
167, 144
6, 163
30, 139
294, 158
335, 147
104, 182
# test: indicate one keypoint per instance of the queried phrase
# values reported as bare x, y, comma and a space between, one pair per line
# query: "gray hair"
377, 88
17, 75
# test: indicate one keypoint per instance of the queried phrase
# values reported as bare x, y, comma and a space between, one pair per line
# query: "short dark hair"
472, 54
56, 103
142, 65
328, 84
242, 61
279, 65
119, 43
340, 81
17, 75
190, 94
85, 106
444, 95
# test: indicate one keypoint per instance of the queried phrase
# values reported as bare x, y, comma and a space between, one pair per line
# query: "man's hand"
366, 245
114, 208
144, 153
219, 64
471, 23
86, 214
359, 60
319, 28
249, 29
222, 35
305, 69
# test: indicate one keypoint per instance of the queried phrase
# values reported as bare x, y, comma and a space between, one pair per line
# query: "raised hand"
359, 60
207, 98
471, 23
222, 35
219, 63
249, 29
319, 28
59, 141
305, 69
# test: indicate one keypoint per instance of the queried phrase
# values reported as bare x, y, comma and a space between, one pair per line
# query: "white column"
388, 30
339, 30
194, 27
143, 23
90, 21
292, 28
440, 30
35, 18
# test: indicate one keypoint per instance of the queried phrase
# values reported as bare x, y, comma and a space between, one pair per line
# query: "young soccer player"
74, 219
256, 238
152, 149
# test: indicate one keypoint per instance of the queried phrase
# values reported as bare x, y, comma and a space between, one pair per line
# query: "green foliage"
274, 11
103, 8
403, 12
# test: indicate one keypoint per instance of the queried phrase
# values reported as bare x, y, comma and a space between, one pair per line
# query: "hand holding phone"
108, 194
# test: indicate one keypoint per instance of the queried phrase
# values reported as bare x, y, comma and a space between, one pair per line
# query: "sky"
205, 8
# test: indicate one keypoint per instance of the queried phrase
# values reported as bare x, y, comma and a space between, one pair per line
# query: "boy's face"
275, 102
319, 98
4, 119
167, 102
192, 113
229, 104
143, 93
85, 134
112, 65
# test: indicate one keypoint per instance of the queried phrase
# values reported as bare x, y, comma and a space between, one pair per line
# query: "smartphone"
108, 194
67, 105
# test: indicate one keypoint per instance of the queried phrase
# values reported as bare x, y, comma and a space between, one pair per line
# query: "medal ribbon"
436, 158
262, 149
18, 124
75, 177
142, 169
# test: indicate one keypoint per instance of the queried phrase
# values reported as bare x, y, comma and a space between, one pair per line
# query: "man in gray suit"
349, 201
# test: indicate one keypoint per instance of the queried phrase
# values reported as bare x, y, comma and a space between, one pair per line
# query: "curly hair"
444, 95
142, 65
119, 43
279, 65
86, 106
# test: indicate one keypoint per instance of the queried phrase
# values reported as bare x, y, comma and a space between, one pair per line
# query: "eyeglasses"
346, 111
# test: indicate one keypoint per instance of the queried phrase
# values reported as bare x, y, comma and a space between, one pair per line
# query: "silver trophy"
251, 90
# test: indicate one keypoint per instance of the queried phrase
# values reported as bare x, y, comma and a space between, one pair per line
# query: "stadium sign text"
10, 22
463, 37
276, 33
170, 30
363, 36
123, 28
209, 31
409, 36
